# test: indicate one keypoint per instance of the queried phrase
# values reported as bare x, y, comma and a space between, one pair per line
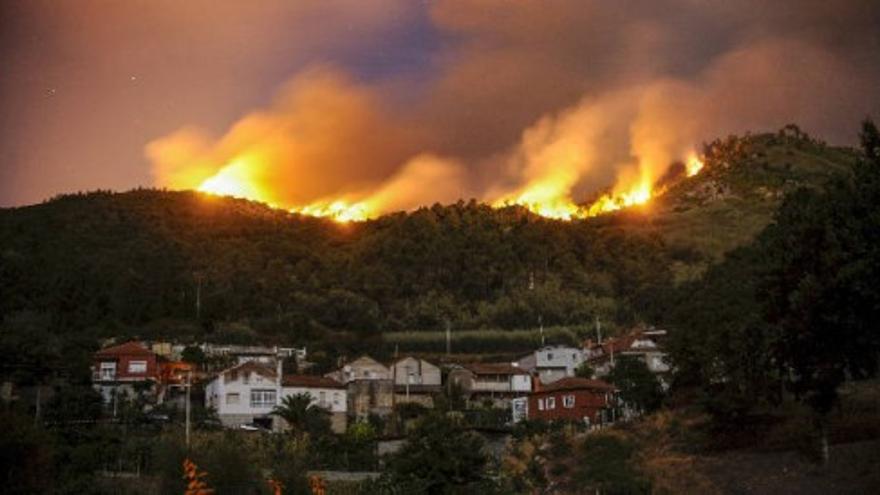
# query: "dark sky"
341, 95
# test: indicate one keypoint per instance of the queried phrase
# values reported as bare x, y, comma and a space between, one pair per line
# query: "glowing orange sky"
337, 99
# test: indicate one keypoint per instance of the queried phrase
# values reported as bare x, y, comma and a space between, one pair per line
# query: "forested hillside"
181, 264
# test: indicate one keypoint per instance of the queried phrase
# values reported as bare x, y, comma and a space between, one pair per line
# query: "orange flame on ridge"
338, 210
548, 198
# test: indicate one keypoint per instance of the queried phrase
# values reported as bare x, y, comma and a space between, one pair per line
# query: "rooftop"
310, 381
132, 348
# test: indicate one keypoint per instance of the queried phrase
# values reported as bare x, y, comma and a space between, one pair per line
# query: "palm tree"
302, 415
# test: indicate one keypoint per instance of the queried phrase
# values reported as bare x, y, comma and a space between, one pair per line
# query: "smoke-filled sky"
398, 103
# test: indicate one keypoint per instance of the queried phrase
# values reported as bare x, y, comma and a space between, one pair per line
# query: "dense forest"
185, 265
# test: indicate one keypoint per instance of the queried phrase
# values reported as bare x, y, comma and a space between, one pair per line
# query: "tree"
638, 386
302, 416
820, 292
719, 344
584, 371
194, 355
25, 456
438, 457
607, 465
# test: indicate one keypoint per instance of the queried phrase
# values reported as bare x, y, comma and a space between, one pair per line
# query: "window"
335, 398
233, 398
262, 398
137, 366
108, 371
549, 356
568, 401
540, 404
246, 378
551, 402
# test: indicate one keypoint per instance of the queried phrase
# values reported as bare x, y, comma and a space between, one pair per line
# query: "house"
245, 394
552, 363
325, 392
124, 369
369, 386
362, 368
497, 382
262, 354
415, 380
573, 399
644, 344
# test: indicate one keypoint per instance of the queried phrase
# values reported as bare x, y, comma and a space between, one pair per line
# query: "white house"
245, 394
552, 363
248, 392
644, 344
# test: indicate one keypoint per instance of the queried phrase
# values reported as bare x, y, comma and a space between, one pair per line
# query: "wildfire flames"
547, 198
338, 210
693, 165
326, 147
236, 180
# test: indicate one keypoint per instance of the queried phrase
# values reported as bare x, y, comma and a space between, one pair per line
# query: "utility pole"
598, 331
448, 338
39, 399
541, 327
198, 277
188, 407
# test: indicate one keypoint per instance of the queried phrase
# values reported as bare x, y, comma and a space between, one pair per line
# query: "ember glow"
339, 211
236, 180
693, 164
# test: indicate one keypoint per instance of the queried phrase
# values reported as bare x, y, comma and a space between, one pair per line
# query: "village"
242, 386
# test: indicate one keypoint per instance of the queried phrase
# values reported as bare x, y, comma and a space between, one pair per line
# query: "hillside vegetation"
186, 265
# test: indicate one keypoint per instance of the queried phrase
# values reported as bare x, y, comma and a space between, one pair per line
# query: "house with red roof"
573, 399
124, 368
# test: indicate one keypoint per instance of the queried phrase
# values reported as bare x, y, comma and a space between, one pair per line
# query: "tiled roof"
128, 349
252, 366
624, 343
310, 381
495, 369
575, 383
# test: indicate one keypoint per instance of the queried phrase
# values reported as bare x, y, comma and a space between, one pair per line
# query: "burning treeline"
326, 149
